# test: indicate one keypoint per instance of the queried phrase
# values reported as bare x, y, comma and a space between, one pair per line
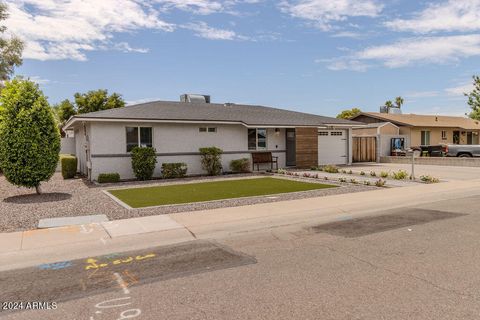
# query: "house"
423, 129
177, 130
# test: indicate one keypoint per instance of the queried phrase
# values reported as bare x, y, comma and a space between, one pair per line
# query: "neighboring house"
426, 129
177, 130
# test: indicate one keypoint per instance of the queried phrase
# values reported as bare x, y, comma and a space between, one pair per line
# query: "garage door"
332, 147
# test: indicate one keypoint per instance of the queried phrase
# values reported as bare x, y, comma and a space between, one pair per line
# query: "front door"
291, 147
456, 137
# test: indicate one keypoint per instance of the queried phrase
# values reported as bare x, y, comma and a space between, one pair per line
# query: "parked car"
431, 150
462, 150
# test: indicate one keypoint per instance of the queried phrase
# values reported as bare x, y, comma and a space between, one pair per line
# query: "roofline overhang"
384, 119
69, 124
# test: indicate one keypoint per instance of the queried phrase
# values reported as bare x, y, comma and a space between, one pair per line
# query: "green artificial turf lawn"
207, 191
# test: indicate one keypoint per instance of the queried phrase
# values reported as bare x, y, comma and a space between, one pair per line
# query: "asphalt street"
421, 263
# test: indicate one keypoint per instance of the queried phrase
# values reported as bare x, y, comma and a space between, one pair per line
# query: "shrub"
367, 183
69, 166
240, 165
344, 171
174, 170
282, 171
384, 174
350, 172
353, 181
108, 177
362, 173
400, 175
342, 179
373, 173
212, 160
330, 169
380, 183
29, 135
325, 178
429, 179
143, 162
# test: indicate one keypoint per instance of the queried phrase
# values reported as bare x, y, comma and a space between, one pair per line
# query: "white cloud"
322, 13
203, 30
460, 89
452, 15
39, 80
195, 6
56, 29
422, 94
410, 51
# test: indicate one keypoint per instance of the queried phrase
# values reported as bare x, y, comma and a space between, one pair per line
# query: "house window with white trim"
209, 129
257, 139
139, 137
444, 135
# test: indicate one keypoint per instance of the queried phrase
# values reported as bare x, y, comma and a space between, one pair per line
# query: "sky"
316, 56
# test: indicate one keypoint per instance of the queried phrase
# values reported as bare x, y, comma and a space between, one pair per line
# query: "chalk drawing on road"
56, 265
95, 264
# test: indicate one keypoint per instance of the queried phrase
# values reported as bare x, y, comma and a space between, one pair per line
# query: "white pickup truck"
462, 150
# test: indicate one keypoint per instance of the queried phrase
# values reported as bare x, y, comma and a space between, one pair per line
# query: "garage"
332, 147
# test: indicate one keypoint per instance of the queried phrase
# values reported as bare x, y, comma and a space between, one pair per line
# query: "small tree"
29, 136
143, 162
212, 160
388, 104
474, 99
348, 114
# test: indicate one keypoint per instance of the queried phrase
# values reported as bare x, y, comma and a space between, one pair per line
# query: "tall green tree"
474, 99
97, 100
11, 48
348, 114
398, 102
29, 136
388, 103
64, 110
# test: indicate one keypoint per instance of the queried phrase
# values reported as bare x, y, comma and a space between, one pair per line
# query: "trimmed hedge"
240, 165
174, 170
143, 162
69, 166
108, 177
212, 160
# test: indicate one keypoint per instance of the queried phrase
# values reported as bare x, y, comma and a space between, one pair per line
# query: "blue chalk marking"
55, 265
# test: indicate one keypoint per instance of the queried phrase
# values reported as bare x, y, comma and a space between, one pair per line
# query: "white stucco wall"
108, 145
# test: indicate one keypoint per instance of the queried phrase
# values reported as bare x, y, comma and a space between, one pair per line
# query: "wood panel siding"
364, 149
306, 140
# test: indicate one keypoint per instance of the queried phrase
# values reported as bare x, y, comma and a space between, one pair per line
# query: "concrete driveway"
448, 173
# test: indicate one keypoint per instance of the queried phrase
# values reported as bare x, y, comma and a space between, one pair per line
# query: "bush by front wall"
69, 166
143, 162
212, 160
240, 165
108, 177
174, 170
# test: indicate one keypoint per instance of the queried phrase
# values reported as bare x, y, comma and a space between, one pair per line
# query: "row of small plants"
397, 175
144, 161
378, 183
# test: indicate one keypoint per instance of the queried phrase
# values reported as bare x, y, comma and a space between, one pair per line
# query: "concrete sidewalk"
57, 244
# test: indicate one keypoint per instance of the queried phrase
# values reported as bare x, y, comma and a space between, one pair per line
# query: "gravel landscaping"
21, 208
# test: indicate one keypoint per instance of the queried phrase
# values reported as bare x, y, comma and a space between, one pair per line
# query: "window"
444, 135
336, 133
209, 129
139, 136
323, 133
425, 138
257, 139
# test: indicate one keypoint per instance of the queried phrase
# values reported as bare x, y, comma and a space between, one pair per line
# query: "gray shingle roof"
190, 111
